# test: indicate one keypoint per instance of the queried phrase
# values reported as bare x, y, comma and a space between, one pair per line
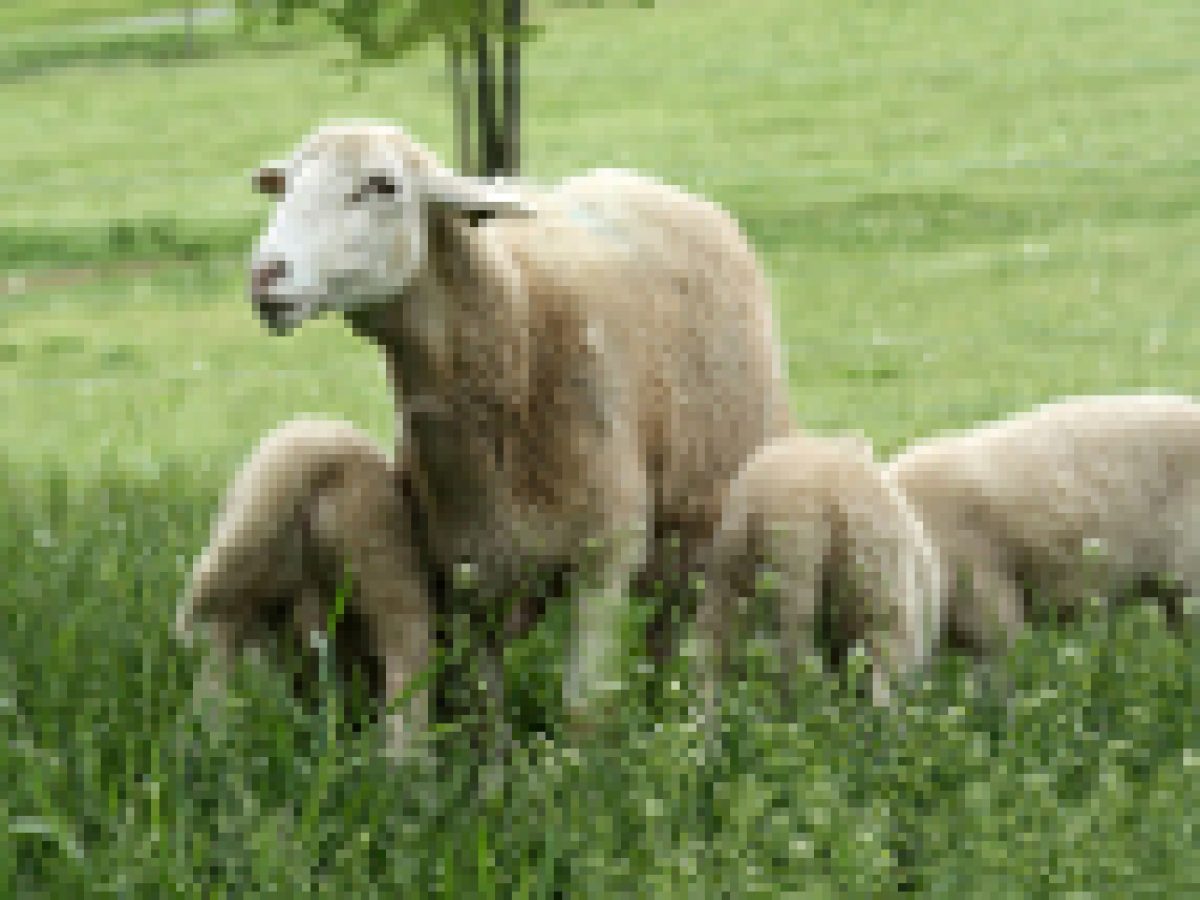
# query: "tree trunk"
462, 107
511, 137
489, 161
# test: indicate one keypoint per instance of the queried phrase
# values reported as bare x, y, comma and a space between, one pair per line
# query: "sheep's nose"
263, 276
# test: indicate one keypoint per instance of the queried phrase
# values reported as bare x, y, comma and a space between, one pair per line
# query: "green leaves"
387, 30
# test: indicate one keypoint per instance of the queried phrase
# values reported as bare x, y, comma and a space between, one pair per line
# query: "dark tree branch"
513, 20
462, 106
489, 161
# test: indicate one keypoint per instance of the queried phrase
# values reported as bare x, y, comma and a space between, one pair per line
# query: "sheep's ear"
270, 179
475, 197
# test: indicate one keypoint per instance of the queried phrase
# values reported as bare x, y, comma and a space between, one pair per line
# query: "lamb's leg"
713, 622
985, 609
217, 666
795, 555
218, 634
800, 599
403, 641
985, 606
309, 617
902, 610
363, 523
1179, 603
224, 642
995, 618
392, 598
729, 567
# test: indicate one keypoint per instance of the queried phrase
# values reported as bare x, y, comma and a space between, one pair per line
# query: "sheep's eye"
374, 185
271, 181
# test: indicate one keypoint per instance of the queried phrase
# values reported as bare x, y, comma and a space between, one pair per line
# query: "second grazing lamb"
1088, 496
843, 548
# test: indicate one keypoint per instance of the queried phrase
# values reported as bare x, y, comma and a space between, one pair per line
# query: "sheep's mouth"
277, 315
280, 328
283, 316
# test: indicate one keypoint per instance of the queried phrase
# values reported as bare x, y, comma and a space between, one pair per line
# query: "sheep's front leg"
594, 669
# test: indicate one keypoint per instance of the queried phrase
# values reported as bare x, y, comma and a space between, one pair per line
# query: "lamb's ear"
475, 197
270, 179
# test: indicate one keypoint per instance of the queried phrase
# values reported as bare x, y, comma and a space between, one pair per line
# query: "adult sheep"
576, 376
314, 512
848, 561
1089, 496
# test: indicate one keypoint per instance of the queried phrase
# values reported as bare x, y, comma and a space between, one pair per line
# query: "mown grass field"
966, 208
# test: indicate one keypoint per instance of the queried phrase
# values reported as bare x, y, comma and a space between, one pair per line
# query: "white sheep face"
350, 225
348, 228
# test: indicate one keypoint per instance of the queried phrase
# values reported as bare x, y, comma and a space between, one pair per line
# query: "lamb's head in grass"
350, 226
322, 644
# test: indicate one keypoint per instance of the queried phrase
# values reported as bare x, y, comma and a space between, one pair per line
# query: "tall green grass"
1085, 779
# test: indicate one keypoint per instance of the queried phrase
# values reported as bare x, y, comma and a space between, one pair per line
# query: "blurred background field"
965, 207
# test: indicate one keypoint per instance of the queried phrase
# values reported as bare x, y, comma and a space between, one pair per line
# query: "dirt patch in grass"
17, 282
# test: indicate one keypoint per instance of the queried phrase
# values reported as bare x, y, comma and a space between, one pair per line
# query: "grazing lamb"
1090, 496
312, 511
576, 377
849, 560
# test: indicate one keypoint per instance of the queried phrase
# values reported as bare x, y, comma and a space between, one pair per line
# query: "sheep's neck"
455, 347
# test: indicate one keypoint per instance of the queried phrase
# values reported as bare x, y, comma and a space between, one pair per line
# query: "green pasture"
21, 17
966, 208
